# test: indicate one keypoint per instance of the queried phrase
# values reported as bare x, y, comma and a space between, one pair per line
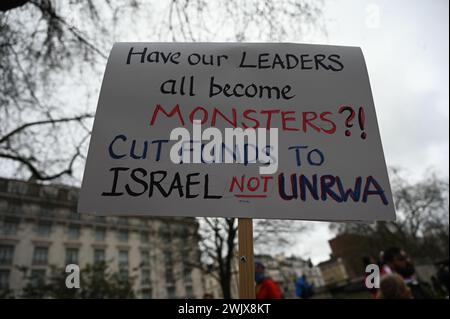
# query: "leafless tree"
422, 225
40, 136
218, 242
46, 44
240, 21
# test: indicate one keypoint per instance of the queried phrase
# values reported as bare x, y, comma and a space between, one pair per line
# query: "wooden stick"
246, 259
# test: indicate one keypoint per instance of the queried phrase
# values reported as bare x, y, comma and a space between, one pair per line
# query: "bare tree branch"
44, 122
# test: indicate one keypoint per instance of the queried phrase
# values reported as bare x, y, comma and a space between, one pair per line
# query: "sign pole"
246, 259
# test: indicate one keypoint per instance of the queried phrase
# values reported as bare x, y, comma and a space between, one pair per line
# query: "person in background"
443, 276
303, 289
393, 286
384, 268
266, 287
398, 262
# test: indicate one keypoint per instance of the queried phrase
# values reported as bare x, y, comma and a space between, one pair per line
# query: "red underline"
250, 196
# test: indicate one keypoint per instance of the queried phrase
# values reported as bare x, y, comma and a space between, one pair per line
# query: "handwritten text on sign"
323, 158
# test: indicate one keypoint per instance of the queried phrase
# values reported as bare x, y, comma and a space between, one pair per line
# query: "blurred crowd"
395, 279
398, 278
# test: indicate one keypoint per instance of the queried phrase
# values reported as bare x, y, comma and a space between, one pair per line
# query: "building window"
63, 194
44, 229
123, 258
169, 276
166, 233
171, 292
18, 188
99, 255
145, 277
146, 293
189, 291
74, 232
74, 216
123, 265
143, 222
4, 279
33, 189
145, 237
187, 273
100, 234
168, 258
49, 192
3, 185
185, 233
145, 258
10, 226
123, 274
6, 254
40, 256
170, 280
187, 267
15, 209
100, 219
123, 235
122, 220
37, 277
45, 212
71, 256
168, 266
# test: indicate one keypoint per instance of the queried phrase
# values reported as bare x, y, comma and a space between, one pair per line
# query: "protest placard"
322, 160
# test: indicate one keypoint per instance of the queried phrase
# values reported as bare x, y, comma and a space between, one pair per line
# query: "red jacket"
268, 289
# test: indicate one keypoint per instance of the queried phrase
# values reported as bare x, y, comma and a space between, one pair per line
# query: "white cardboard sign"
330, 158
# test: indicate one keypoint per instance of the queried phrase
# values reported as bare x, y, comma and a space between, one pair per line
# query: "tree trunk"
225, 284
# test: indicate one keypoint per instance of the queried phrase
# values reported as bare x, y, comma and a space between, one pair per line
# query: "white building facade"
39, 227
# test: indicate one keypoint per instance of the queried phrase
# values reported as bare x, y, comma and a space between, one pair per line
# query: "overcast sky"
406, 47
407, 54
405, 44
